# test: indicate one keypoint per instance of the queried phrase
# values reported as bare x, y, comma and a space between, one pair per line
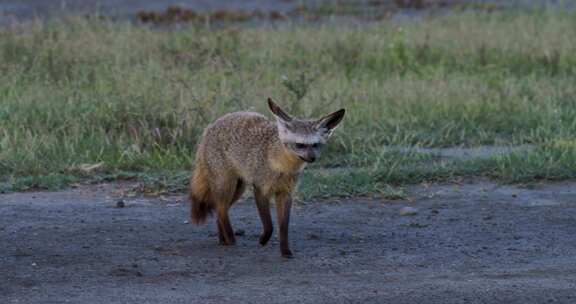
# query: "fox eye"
300, 146
315, 145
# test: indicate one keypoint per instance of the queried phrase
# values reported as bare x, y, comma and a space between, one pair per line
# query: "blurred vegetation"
134, 100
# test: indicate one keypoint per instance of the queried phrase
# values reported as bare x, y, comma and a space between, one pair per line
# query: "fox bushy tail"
200, 198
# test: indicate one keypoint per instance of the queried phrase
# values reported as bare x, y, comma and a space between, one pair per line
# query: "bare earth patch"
471, 243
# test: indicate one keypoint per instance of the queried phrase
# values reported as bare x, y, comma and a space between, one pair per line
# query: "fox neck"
284, 161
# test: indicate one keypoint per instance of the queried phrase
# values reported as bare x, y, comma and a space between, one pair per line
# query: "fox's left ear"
278, 112
329, 122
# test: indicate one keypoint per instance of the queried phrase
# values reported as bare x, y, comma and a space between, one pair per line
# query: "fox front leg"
283, 207
263, 204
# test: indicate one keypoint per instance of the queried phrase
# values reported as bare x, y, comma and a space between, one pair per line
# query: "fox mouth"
308, 160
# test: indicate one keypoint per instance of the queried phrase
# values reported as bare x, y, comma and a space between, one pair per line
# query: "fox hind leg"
240, 187
221, 234
225, 198
225, 231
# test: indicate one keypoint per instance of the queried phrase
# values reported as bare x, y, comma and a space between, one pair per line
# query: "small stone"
239, 232
407, 211
120, 204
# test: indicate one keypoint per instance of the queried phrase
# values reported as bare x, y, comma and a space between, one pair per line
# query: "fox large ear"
278, 112
329, 122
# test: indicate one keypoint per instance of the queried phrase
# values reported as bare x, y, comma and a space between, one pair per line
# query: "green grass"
135, 99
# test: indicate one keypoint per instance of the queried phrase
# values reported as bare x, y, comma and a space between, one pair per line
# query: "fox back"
240, 144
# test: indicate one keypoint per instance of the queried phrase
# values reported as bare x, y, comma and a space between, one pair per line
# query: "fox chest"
277, 183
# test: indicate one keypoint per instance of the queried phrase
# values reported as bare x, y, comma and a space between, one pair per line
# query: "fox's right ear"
278, 112
329, 122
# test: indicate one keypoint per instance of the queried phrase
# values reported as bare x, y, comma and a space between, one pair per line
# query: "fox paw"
287, 254
263, 240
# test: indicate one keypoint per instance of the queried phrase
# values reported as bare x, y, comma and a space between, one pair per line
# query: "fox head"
303, 137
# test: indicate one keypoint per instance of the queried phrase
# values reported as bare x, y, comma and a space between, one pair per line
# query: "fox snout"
307, 153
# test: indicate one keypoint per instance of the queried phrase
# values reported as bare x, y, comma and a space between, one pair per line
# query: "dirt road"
475, 243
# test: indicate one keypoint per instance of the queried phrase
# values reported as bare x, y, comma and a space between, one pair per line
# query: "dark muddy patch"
235, 11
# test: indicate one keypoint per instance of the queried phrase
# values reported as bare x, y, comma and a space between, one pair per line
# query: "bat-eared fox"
247, 149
